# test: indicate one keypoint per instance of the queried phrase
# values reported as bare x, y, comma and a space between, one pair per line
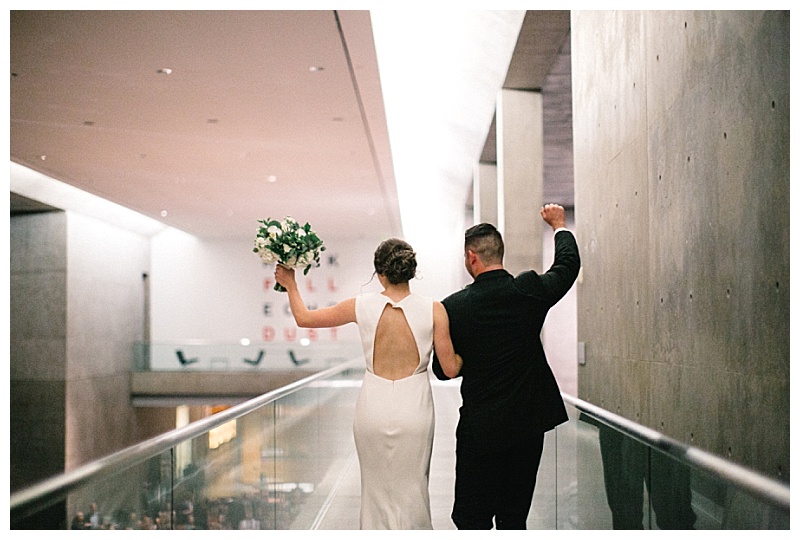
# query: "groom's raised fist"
554, 215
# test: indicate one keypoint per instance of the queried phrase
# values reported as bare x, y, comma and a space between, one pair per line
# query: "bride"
394, 418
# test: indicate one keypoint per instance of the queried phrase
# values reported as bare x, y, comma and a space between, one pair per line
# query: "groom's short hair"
486, 242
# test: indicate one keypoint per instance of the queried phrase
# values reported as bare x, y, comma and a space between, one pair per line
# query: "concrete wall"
37, 348
76, 310
681, 142
105, 317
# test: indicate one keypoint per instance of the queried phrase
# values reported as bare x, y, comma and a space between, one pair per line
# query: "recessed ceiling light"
165, 71
316, 68
43, 158
272, 179
164, 213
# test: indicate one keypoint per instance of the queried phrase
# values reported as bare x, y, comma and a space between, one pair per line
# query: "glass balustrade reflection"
221, 475
272, 468
690, 498
609, 480
138, 498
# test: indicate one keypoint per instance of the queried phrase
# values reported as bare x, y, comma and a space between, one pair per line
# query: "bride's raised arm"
450, 361
342, 313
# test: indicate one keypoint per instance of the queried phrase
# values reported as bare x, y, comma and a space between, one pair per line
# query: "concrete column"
519, 178
485, 194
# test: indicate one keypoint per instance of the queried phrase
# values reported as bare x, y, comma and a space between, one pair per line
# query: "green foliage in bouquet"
287, 243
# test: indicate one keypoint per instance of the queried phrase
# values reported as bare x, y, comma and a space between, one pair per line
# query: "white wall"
218, 291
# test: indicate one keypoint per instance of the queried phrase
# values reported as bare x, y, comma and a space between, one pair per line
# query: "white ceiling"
91, 106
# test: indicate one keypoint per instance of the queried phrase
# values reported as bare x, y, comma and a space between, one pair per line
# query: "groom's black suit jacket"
508, 389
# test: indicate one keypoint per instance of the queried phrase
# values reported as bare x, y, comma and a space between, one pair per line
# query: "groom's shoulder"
456, 296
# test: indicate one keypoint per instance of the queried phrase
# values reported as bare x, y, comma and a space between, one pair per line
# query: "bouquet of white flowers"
287, 243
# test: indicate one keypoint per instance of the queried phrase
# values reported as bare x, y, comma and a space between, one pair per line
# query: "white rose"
301, 233
274, 231
291, 261
286, 248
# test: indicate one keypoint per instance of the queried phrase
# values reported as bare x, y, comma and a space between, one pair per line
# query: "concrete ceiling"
210, 120
542, 63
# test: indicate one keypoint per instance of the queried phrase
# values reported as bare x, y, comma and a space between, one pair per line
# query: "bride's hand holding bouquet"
284, 276
288, 244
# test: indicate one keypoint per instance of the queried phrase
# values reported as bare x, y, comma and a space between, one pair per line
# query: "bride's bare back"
395, 354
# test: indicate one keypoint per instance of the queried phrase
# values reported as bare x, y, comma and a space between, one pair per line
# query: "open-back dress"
394, 422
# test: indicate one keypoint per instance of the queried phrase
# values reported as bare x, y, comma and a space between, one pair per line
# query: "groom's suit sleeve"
551, 286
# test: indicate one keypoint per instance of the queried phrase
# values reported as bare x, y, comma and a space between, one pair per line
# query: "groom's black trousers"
496, 484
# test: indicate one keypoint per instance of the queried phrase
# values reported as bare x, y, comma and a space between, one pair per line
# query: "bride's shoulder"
365, 296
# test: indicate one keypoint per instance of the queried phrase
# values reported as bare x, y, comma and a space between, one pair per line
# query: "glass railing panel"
314, 448
684, 497
603, 477
610, 479
219, 476
624, 466
669, 488
257, 466
137, 498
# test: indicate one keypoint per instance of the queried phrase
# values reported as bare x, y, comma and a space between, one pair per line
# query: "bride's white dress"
394, 422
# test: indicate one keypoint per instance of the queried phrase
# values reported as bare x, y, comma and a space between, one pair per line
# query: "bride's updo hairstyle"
395, 260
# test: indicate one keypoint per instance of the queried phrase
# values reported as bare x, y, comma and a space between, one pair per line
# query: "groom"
510, 397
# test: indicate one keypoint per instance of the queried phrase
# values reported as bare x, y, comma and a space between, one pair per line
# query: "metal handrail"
755, 483
30, 499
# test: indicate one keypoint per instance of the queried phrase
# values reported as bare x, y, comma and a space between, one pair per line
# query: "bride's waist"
410, 379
